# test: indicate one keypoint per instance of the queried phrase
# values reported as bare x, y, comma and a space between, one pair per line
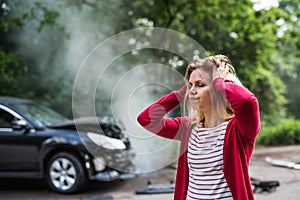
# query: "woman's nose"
192, 91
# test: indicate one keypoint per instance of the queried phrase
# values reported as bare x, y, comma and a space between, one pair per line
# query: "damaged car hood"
102, 125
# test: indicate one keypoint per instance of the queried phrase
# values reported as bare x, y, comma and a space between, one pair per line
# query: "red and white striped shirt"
205, 162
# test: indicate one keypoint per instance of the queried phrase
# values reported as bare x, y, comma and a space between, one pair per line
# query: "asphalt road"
289, 180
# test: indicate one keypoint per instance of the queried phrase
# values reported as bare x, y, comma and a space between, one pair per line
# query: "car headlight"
106, 142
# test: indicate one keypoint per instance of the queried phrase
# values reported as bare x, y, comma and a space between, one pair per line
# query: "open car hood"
104, 125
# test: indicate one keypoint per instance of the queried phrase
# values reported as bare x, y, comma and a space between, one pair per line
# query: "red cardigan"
239, 139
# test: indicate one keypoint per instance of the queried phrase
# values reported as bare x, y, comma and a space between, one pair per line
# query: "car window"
5, 119
41, 115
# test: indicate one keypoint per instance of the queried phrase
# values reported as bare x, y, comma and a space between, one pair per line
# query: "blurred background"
43, 43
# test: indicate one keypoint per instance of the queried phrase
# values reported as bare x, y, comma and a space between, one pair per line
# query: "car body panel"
24, 152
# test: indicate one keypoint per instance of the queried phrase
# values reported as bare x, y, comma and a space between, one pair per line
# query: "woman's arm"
244, 104
153, 117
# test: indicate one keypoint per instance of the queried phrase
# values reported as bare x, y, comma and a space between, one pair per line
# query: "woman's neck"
212, 120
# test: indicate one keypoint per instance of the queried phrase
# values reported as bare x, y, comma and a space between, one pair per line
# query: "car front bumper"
112, 175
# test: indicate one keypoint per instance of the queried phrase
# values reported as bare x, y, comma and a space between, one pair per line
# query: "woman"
218, 135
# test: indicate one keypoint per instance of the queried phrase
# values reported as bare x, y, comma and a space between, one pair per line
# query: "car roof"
12, 100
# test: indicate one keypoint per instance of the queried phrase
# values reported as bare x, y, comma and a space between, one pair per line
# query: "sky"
264, 4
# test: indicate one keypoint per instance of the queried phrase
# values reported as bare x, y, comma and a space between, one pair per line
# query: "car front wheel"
65, 173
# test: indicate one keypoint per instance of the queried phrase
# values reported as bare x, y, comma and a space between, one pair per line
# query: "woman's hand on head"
221, 70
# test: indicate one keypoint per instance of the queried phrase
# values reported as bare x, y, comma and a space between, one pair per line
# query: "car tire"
65, 173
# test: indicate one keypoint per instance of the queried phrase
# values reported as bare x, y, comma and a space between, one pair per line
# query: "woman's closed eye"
197, 84
200, 84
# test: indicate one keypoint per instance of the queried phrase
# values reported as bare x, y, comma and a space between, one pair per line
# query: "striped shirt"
205, 162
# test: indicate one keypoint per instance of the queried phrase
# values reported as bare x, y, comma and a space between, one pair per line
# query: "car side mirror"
19, 124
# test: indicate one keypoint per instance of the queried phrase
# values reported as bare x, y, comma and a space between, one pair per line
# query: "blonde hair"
223, 107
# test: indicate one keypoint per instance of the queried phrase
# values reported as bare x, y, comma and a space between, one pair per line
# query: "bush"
285, 133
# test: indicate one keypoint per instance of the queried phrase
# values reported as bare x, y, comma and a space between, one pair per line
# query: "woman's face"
199, 90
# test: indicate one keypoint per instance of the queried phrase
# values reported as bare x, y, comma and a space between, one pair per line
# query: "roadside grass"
285, 133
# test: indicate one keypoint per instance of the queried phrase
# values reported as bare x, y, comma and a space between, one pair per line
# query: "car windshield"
41, 115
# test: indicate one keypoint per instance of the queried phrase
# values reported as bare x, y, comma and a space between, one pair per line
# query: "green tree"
287, 63
231, 27
250, 38
21, 72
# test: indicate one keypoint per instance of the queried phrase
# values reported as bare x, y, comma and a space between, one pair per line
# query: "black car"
37, 142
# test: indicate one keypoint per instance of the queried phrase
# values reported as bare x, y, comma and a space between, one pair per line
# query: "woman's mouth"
193, 99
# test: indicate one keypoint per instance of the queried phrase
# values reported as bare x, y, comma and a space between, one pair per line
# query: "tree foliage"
287, 63
233, 28
263, 45
22, 64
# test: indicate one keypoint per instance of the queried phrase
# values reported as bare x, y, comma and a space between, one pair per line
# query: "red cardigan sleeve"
153, 117
245, 106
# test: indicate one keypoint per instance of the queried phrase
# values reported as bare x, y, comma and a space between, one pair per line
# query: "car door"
18, 152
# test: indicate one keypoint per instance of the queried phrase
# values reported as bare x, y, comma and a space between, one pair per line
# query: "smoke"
50, 47
133, 92
112, 74
111, 70
85, 34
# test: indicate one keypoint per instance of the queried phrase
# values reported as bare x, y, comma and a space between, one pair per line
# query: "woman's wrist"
181, 93
217, 75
